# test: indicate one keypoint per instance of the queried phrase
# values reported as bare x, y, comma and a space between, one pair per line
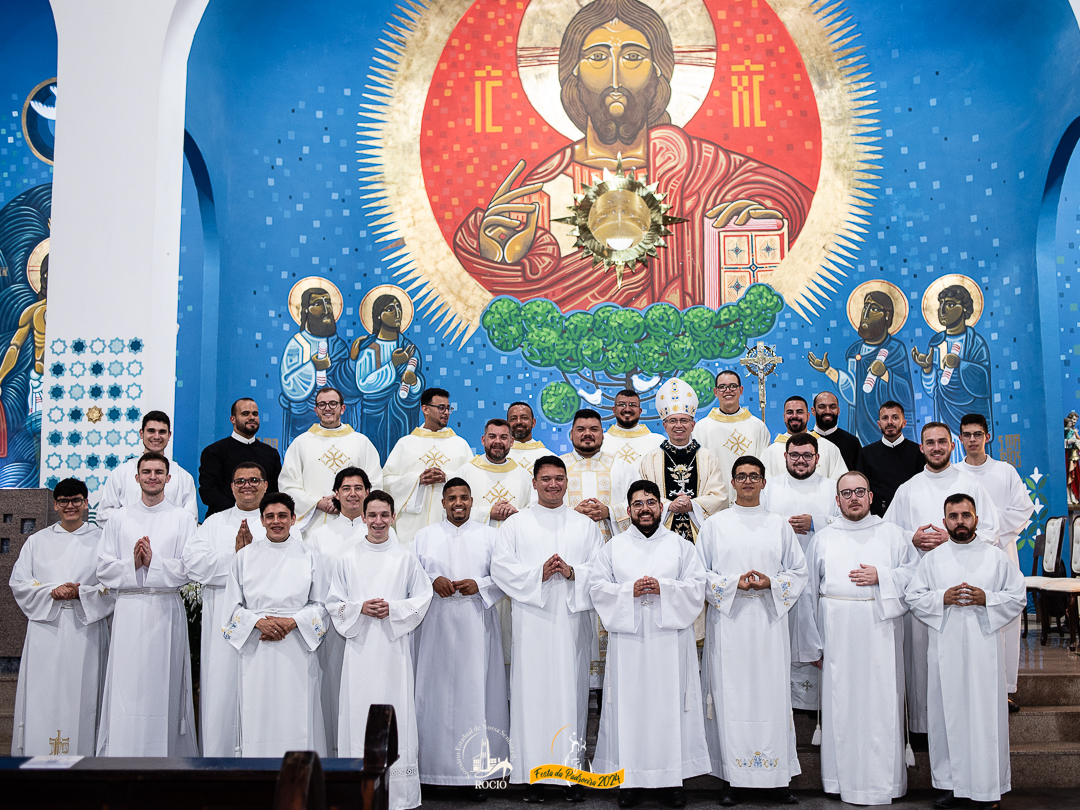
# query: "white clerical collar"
83, 529
553, 509
828, 432
243, 439
456, 530
749, 510
810, 482
380, 547
157, 507
977, 468
246, 515
868, 522
946, 473
356, 521
887, 443
283, 544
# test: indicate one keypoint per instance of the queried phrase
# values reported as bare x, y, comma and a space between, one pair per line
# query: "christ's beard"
627, 126
322, 327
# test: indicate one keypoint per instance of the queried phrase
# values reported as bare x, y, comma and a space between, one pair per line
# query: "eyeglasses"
442, 408
801, 456
753, 478
76, 501
728, 386
848, 494
327, 406
254, 481
679, 421
972, 434
650, 503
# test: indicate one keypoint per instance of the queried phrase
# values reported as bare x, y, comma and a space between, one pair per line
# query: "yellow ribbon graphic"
586, 778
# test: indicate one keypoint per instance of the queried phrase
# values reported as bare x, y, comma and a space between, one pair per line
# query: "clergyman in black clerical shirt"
890, 462
222, 457
826, 415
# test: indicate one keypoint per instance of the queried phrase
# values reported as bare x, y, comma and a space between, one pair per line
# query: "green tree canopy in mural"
616, 347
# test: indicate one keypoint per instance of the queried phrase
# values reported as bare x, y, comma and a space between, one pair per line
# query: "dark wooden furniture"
300, 781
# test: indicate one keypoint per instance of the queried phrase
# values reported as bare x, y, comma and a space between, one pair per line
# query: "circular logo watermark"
488, 764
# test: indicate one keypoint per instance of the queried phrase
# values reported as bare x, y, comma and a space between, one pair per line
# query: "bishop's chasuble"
419, 505
690, 470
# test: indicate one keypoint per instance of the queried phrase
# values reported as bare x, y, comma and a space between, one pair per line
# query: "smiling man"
796, 419
525, 450
220, 459
502, 486
628, 439
826, 412
730, 430
890, 462
596, 481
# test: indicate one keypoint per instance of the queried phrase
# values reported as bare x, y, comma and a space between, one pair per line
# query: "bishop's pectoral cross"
761, 361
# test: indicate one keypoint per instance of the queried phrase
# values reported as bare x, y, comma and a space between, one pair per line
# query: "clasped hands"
682, 504
274, 628
243, 537
501, 510
646, 586
69, 590
445, 587
325, 505
432, 475
801, 524
376, 608
929, 537
964, 595
143, 553
592, 508
557, 565
754, 581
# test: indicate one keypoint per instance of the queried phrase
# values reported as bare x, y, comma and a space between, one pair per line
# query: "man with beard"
417, 466
956, 365
314, 358
965, 592
525, 450
312, 461
502, 485
594, 477
851, 625
616, 61
795, 420
220, 459
730, 430
890, 462
915, 510
807, 500
629, 440
648, 587
826, 414
877, 368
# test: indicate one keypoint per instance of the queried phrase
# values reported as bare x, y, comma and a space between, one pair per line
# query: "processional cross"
761, 361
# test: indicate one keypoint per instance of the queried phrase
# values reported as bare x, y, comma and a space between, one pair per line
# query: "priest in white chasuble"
755, 570
277, 619
964, 591
807, 500
1014, 509
208, 556
851, 625
460, 675
315, 457
647, 586
525, 450
420, 463
541, 561
501, 485
691, 483
629, 440
379, 593
147, 709
595, 477
730, 430
796, 418
915, 509
335, 538
62, 670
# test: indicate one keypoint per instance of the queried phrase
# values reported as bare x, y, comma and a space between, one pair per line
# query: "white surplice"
830, 462
313, 460
526, 453
918, 502
121, 489
460, 675
147, 708
729, 436
62, 670
632, 445
553, 635
378, 665
1015, 507
746, 664
815, 496
652, 723
967, 696
858, 634
207, 559
280, 708
491, 483
419, 505
334, 538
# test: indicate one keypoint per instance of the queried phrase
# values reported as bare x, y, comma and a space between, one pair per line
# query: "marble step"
1045, 764
1047, 689
1045, 724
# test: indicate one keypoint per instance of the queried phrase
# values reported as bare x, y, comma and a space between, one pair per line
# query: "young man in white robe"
276, 591
419, 464
120, 487
62, 670
648, 586
796, 418
379, 593
629, 440
964, 591
851, 623
525, 450
539, 554
461, 696
1014, 510
730, 430
502, 486
807, 500
147, 708
915, 510
315, 457
208, 556
754, 572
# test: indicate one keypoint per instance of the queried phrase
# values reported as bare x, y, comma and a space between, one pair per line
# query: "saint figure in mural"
877, 367
1072, 459
387, 368
315, 357
956, 364
615, 65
